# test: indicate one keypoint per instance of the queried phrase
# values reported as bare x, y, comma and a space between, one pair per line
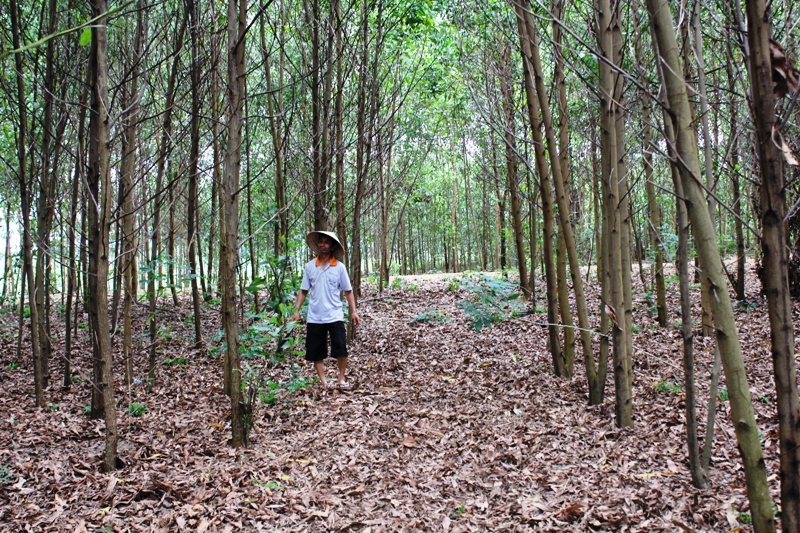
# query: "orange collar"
333, 262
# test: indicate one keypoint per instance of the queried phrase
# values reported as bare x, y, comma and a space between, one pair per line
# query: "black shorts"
317, 341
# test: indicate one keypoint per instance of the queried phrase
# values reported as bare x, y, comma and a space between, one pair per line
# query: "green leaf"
86, 37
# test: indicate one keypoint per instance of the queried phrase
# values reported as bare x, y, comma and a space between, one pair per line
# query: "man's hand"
356, 319
295, 317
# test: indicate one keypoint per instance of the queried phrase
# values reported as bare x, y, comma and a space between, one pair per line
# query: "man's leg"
339, 349
319, 366
342, 363
316, 349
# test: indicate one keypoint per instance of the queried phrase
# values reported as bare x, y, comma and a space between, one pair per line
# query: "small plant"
52, 407
5, 474
397, 283
491, 300
271, 485
174, 362
453, 285
296, 381
723, 394
668, 387
13, 365
87, 410
76, 379
745, 305
763, 399
432, 316
635, 328
458, 512
412, 287
269, 396
137, 409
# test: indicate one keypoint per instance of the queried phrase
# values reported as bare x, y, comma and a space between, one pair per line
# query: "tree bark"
192, 235
775, 259
545, 188
155, 236
25, 199
229, 252
711, 265
101, 205
512, 180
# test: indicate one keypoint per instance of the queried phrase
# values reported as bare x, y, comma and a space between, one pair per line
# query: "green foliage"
174, 362
12, 365
668, 387
491, 300
746, 305
87, 410
271, 485
26, 313
52, 407
397, 283
431, 316
137, 409
5, 474
723, 394
458, 512
269, 395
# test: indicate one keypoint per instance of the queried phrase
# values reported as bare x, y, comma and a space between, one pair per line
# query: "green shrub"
668, 387
432, 316
137, 409
490, 301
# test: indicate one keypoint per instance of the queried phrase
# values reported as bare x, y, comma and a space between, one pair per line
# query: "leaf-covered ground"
446, 430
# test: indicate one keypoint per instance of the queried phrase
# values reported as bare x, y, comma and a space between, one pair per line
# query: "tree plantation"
571, 230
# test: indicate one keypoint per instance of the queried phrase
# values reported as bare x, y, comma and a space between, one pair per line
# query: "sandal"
343, 386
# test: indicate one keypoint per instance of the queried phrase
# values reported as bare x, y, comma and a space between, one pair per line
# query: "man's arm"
351, 301
301, 297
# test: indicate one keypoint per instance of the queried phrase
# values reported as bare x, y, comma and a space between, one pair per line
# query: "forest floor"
446, 429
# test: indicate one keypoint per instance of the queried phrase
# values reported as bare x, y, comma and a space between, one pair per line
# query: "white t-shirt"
326, 285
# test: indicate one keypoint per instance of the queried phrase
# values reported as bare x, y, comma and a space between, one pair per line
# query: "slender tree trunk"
45, 208
512, 179
563, 157
101, 199
733, 108
78, 177
192, 233
127, 193
275, 110
711, 265
27, 254
171, 242
155, 236
7, 262
229, 253
776, 258
545, 187
562, 199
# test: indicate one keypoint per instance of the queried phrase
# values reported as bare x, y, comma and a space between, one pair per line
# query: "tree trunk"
512, 179
27, 254
545, 187
192, 233
229, 252
101, 199
155, 236
711, 265
775, 259
78, 177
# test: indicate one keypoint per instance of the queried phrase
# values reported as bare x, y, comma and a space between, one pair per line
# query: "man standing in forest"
326, 277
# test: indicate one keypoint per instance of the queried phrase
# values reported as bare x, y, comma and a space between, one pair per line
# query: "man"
326, 277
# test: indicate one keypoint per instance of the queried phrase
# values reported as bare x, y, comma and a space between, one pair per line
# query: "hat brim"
313, 237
